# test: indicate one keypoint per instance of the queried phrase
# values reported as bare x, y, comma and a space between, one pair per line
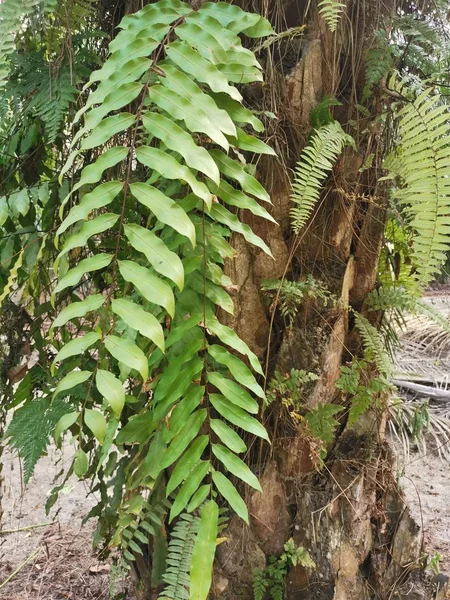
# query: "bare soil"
57, 549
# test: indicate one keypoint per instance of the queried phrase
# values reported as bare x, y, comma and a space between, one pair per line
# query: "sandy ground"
425, 480
61, 563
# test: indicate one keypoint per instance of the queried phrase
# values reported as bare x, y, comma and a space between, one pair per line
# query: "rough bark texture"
351, 516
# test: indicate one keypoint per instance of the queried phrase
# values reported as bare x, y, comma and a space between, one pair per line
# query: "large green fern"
421, 164
315, 163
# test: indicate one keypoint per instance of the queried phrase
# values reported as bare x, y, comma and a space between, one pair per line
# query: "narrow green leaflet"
88, 229
188, 488
126, 352
78, 309
240, 372
237, 416
236, 466
168, 166
119, 97
231, 495
175, 138
71, 380
4, 210
204, 552
221, 214
230, 338
207, 45
96, 422
234, 197
182, 440
76, 346
235, 19
80, 463
111, 389
106, 129
151, 287
183, 109
163, 260
64, 423
185, 465
199, 497
233, 392
184, 408
103, 195
194, 64
165, 209
72, 277
228, 436
251, 143
140, 320
182, 84
234, 170
237, 112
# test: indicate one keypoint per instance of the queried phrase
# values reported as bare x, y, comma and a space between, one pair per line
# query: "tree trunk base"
351, 518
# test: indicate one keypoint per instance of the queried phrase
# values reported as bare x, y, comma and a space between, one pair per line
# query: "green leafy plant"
363, 386
315, 163
289, 296
287, 388
272, 579
139, 277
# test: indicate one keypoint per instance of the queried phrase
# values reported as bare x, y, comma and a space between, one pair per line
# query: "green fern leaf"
331, 11
179, 556
31, 427
316, 161
421, 164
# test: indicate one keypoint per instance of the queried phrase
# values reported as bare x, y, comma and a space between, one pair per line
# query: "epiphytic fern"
379, 61
179, 556
316, 161
374, 344
331, 11
290, 295
421, 163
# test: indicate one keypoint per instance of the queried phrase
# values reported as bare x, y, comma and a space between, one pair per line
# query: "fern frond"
421, 164
374, 344
179, 556
379, 61
316, 161
331, 11
12, 12
30, 429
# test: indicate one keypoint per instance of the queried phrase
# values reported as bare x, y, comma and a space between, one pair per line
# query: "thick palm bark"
351, 516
